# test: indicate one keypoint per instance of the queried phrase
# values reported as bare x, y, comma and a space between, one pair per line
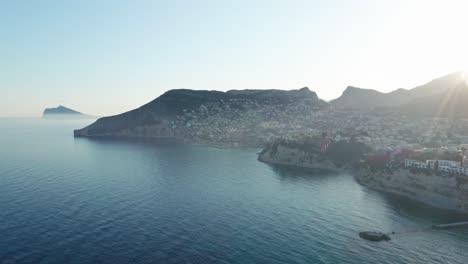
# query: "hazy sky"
106, 57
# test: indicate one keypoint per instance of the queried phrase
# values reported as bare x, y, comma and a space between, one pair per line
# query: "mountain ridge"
368, 99
448, 104
259, 115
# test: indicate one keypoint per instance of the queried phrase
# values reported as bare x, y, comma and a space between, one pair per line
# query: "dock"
452, 225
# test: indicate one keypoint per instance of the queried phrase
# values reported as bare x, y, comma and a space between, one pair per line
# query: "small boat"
374, 236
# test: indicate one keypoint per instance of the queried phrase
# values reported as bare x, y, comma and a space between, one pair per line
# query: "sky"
110, 56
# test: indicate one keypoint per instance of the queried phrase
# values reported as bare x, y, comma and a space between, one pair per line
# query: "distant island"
63, 112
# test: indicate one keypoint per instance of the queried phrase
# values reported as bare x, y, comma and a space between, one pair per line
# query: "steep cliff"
313, 153
438, 191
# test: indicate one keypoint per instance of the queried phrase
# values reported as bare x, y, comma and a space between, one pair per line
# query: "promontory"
235, 117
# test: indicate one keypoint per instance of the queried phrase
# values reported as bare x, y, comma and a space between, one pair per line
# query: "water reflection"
292, 173
422, 211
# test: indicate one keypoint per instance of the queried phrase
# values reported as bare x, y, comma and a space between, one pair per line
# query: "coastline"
436, 191
437, 200
440, 192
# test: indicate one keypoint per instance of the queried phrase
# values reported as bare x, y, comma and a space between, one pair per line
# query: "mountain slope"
439, 85
191, 115
368, 99
452, 103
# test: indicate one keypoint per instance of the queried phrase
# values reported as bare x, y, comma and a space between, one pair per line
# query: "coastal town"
247, 121
402, 141
244, 122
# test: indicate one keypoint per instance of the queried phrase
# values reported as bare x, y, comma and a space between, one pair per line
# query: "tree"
324, 134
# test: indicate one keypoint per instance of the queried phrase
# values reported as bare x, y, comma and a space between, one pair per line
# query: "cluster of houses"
247, 120
449, 166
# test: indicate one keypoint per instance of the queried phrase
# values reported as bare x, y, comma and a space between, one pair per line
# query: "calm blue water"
67, 200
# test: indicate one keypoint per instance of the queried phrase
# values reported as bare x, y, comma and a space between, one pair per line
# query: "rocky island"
63, 112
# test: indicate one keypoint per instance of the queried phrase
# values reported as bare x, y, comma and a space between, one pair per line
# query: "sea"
81, 200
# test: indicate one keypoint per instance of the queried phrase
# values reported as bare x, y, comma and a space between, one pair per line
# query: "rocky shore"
439, 191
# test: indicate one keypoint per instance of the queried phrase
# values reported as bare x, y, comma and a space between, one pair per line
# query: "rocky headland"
281, 154
233, 118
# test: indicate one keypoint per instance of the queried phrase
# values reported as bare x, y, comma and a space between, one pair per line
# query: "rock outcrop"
284, 155
438, 191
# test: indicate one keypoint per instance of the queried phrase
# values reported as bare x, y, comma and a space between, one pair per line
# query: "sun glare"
465, 77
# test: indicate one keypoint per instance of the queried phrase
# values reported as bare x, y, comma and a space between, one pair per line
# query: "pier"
452, 225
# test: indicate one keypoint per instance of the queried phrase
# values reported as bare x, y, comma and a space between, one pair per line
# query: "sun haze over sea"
80, 53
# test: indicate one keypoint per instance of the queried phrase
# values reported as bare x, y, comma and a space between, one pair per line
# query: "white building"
431, 163
415, 164
449, 166
448, 163
454, 169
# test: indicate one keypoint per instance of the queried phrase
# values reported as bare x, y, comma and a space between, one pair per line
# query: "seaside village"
450, 160
426, 145
396, 141
442, 150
